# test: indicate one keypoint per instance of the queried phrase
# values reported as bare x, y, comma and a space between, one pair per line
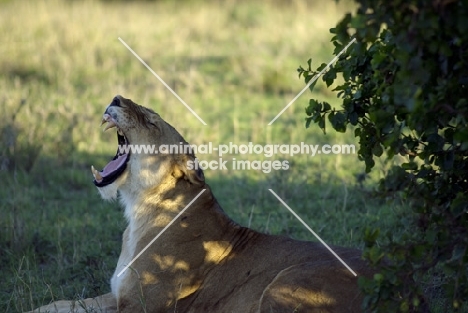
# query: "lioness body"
205, 262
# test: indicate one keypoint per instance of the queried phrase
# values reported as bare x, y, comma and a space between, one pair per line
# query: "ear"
189, 167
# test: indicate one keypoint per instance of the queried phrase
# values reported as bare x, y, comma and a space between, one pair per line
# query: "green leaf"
338, 121
314, 107
321, 67
353, 118
377, 150
326, 107
404, 306
371, 235
459, 252
357, 94
378, 277
369, 163
321, 123
436, 141
329, 76
308, 78
431, 235
459, 205
448, 134
448, 160
409, 166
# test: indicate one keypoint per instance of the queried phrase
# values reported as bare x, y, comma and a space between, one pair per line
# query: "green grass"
233, 62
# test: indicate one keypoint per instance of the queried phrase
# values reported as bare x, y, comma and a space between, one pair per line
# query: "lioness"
204, 261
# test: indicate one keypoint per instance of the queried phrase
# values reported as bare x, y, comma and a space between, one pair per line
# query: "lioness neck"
167, 200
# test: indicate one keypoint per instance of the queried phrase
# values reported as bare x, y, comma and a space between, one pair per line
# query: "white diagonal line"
313, 80
162, 81
313, 233
161, 232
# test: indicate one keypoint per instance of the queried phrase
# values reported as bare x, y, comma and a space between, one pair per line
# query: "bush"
405, 93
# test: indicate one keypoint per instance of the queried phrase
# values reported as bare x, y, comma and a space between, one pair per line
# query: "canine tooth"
105, 119
120, 132
110, 124
96, 174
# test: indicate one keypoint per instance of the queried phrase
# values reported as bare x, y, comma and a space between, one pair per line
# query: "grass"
233, 62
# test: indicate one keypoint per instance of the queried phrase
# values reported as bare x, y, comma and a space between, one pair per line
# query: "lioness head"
138, 165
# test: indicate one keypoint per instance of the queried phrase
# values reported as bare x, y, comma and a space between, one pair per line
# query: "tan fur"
205, 262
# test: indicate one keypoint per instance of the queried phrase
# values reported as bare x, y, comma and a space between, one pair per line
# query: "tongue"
114, 165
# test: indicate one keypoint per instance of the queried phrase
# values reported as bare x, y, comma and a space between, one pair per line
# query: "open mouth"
117, 165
